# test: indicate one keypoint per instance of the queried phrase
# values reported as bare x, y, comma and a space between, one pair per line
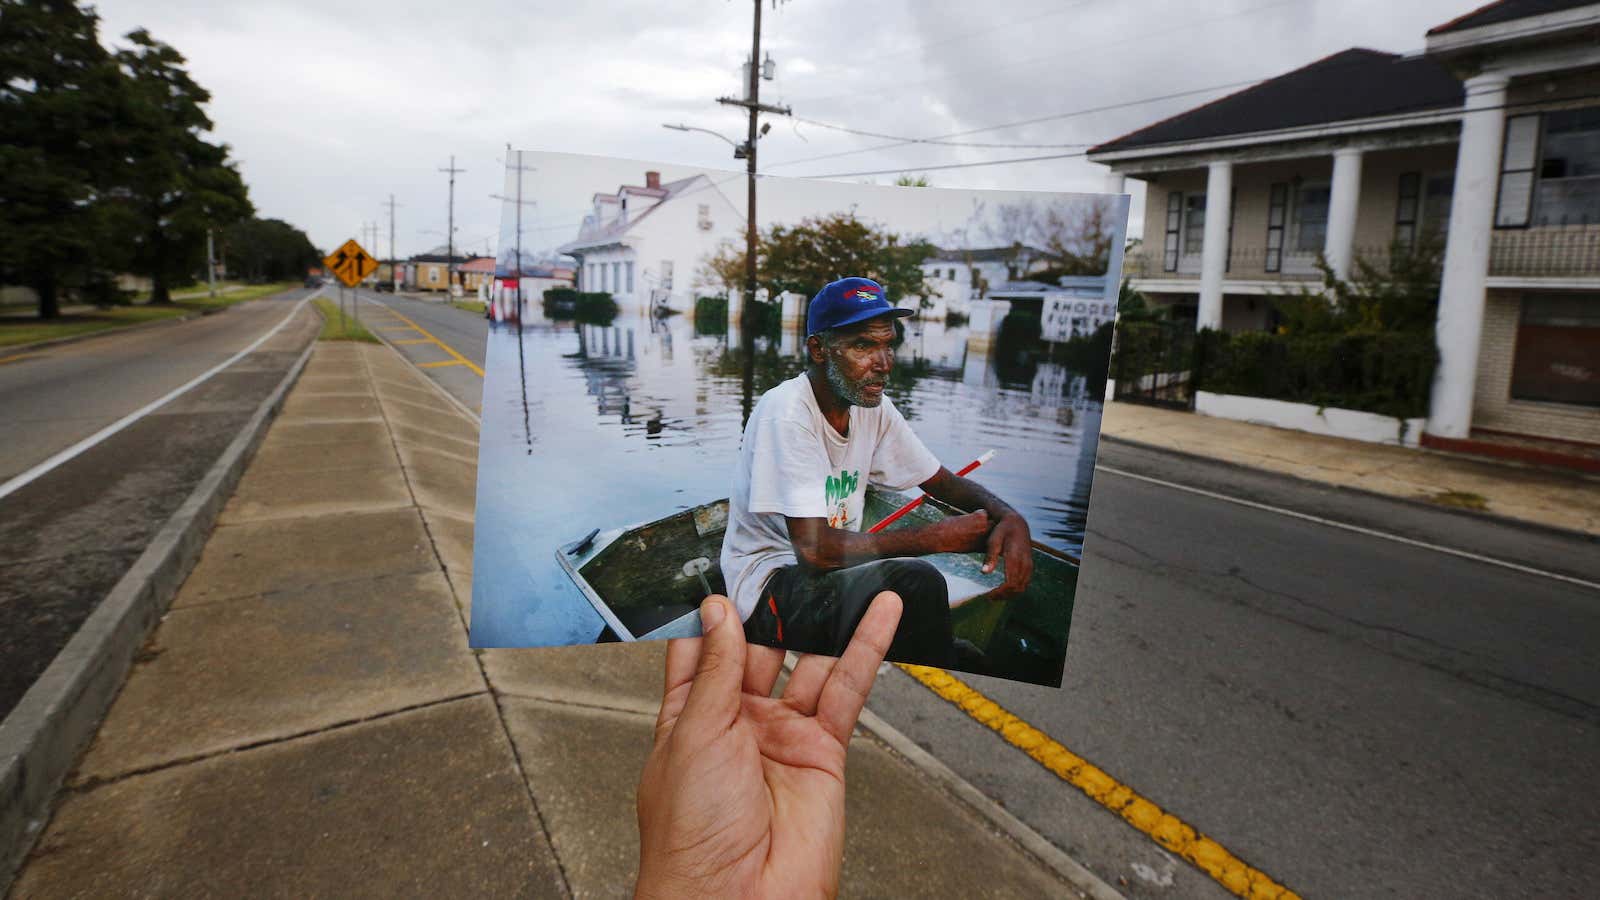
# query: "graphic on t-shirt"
839, 488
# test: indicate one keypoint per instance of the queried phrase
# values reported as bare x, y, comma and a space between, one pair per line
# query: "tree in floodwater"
59, 115
176, 184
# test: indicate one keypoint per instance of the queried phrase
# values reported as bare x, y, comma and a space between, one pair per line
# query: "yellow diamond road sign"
350, 263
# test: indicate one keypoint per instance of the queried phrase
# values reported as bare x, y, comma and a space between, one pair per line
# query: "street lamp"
741, 150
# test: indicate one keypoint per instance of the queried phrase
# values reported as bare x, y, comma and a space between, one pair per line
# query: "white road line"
43, 468
1450, 551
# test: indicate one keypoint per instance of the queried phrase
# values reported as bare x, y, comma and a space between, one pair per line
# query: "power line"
1393, 118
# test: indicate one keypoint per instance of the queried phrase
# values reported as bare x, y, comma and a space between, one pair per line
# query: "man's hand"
743, 794
1010, 540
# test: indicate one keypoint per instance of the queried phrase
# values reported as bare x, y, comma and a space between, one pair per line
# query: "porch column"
1116, 183
1214, 250
1459, 327
1344, 194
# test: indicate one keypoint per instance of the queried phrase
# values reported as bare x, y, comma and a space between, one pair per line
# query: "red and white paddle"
987, 455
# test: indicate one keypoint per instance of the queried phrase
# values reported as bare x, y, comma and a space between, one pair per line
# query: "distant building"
475, 272
643, 244
431, 271
1073, 309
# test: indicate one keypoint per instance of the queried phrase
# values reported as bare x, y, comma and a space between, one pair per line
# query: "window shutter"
1277, 217
1169, 249
1517, 162
1405, 211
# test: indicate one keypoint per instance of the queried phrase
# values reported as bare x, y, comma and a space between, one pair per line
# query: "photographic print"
910, 400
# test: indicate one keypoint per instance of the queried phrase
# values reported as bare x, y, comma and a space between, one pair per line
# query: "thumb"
714, 700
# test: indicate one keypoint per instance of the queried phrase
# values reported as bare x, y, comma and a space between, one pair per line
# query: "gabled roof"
1505, 11
1353, 84
611, 233
435, 258
477, 264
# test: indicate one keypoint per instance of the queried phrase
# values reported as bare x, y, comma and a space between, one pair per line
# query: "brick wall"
1493, 407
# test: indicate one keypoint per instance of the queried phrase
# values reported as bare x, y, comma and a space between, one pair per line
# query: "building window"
952, 275
1569, 170
616, 277
1194, 223
1518, 158
1169, 249
433, 274
627, 269
1311, 218
1406, 208
1558, 350
666, 274
704, 220
1277, 218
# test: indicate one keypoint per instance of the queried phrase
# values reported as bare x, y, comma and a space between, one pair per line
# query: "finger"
683, 655
714, 696
845, 692
806, 681
761, 667
994, 546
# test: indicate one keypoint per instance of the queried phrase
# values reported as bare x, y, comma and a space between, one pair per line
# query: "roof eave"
1530, 29
1412, 119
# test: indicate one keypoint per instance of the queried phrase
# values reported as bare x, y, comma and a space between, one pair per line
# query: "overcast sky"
332, 106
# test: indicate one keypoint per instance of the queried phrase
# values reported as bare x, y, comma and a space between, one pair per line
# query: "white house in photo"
960, 276
642, 245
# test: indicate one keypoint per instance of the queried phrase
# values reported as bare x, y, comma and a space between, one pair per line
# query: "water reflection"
641, 417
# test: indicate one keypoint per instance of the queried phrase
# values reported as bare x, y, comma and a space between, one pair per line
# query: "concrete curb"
1066, 868
41, 738
1496, 518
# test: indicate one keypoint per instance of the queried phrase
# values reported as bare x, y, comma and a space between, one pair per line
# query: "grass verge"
471, 306
16, 331
1460, 500
337, 327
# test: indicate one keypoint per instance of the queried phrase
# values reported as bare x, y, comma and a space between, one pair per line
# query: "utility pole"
450, 232
393, 272
516, 269
757, 70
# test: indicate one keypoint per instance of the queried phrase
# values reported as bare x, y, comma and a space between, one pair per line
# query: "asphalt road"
1354, 716
55, 397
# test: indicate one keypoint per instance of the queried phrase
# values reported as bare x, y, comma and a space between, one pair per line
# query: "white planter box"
1330, 421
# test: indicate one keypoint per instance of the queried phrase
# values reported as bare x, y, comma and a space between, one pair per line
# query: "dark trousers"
817, 612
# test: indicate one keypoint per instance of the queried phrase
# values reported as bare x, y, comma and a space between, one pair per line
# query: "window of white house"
704, 221
1558, 350
666, 274
952, 275
605, 283
1407, 207
1277, 218
1569, 171
1311, 218
1194, 223
616, 277
627, 269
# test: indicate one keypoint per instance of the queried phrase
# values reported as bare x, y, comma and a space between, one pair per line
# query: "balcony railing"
1571, 251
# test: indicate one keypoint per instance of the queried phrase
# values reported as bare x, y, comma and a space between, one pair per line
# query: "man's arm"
822, 548
1010, 538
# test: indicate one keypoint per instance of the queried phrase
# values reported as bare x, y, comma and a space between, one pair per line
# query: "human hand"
743, 793
963, 533
1011, 540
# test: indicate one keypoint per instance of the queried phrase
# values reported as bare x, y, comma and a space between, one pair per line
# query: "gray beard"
849, 391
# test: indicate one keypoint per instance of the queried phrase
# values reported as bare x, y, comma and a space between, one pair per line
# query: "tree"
58, 121
912, 181
1077, 233
268, 250
177, 183
802, 258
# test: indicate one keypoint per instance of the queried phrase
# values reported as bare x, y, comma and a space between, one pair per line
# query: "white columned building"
1466, 255
1214, 252
1343, 196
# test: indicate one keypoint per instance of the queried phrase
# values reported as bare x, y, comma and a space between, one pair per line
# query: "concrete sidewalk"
308, 719
1548, 497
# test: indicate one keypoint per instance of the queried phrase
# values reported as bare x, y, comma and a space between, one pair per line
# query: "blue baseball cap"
846, 302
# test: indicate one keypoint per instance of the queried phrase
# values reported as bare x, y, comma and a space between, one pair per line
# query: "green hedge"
1389, 373
711, 315
589, 307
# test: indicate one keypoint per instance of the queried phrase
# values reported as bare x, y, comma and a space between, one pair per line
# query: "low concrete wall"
1330, 421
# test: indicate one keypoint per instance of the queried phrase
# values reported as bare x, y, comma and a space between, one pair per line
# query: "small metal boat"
646, 581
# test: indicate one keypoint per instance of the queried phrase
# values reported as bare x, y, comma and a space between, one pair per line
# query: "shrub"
711, 315
1389, 373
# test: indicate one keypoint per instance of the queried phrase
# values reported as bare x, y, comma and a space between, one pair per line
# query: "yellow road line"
9, 359
1162, 827
442, 345
416, 341
442, 362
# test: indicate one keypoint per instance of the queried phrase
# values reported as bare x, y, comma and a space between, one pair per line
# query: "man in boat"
798, 566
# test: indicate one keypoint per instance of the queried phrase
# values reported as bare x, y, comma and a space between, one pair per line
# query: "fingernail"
711, 614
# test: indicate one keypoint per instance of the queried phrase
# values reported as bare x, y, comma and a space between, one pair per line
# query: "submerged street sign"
350, 263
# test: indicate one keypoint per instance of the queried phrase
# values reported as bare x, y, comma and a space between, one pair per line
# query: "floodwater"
588, 426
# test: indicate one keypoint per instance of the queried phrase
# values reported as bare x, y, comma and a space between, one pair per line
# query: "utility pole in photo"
450, 232
394, 278
757, 69
516, 269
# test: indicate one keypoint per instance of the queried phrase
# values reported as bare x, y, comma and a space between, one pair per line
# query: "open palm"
743, 794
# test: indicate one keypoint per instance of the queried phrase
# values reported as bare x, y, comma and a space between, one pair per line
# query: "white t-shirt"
793, 463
